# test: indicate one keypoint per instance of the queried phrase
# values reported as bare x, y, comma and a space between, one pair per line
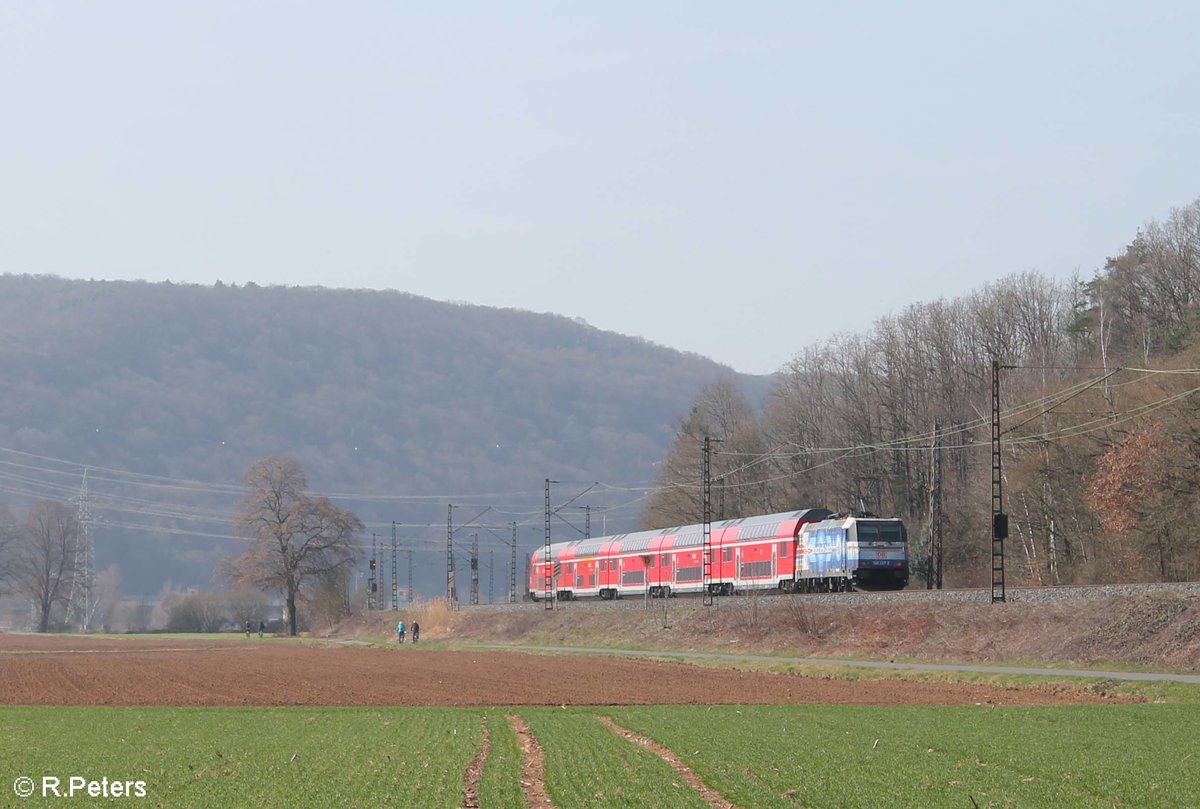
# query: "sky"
738, 180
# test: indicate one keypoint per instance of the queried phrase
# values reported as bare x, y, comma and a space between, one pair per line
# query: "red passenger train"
752, 553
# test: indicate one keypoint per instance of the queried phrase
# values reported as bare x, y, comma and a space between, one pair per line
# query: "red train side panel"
747, 553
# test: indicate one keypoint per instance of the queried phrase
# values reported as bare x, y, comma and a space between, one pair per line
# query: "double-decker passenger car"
748, 553
806, 551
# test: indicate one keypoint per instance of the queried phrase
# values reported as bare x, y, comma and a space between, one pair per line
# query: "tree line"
299, 545
1099, 459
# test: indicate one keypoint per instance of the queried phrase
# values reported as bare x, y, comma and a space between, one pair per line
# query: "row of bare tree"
298, 545
1099, 464
39, 557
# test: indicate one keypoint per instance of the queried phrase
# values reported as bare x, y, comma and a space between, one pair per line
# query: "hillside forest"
399, 404
1099, 424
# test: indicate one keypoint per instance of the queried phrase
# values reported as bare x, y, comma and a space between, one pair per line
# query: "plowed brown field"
58, 670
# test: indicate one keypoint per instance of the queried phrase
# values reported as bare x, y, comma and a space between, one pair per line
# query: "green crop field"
845, 756
587, 765
755, 756
500, 784
262, 757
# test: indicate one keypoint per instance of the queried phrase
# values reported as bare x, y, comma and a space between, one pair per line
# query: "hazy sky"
734, 179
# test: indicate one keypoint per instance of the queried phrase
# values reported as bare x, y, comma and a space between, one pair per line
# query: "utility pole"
491, 579
80, 606
451, 590
933, 575
475, 568
371, 587
395, 577
410, 577
512, 568
587, 522
999, 518
548, 566
706, 556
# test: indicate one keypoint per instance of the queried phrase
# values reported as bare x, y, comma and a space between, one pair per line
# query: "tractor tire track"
533, 765
474, 773
710, 795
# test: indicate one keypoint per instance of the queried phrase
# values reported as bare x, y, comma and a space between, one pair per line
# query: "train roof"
685, 535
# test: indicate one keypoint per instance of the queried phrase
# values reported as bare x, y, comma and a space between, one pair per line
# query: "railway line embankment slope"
1130, 626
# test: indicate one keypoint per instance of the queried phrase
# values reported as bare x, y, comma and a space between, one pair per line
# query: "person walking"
400, 631
247, 627
416, 631
262, 627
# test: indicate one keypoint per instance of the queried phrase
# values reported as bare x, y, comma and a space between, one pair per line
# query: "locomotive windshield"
890, 532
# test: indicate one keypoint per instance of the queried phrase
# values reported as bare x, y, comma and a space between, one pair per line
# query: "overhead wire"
28, 479
1042, 405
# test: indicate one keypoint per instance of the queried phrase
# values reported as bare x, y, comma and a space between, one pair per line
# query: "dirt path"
710, 795
79, 671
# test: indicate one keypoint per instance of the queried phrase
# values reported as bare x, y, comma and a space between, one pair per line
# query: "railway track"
977, 595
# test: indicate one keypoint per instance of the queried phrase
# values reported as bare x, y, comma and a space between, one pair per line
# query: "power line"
31, 475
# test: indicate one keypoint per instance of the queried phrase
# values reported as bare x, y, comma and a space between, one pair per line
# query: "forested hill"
373, 392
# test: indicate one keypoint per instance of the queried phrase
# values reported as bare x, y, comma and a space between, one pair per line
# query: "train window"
727, 555
879, 531
783, 548
666, 560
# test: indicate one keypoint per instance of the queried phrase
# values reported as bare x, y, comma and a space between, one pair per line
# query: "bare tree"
46, 557
246, 604
719, 412
296, 538
197, 612
8, 547
106, 592
328, 601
